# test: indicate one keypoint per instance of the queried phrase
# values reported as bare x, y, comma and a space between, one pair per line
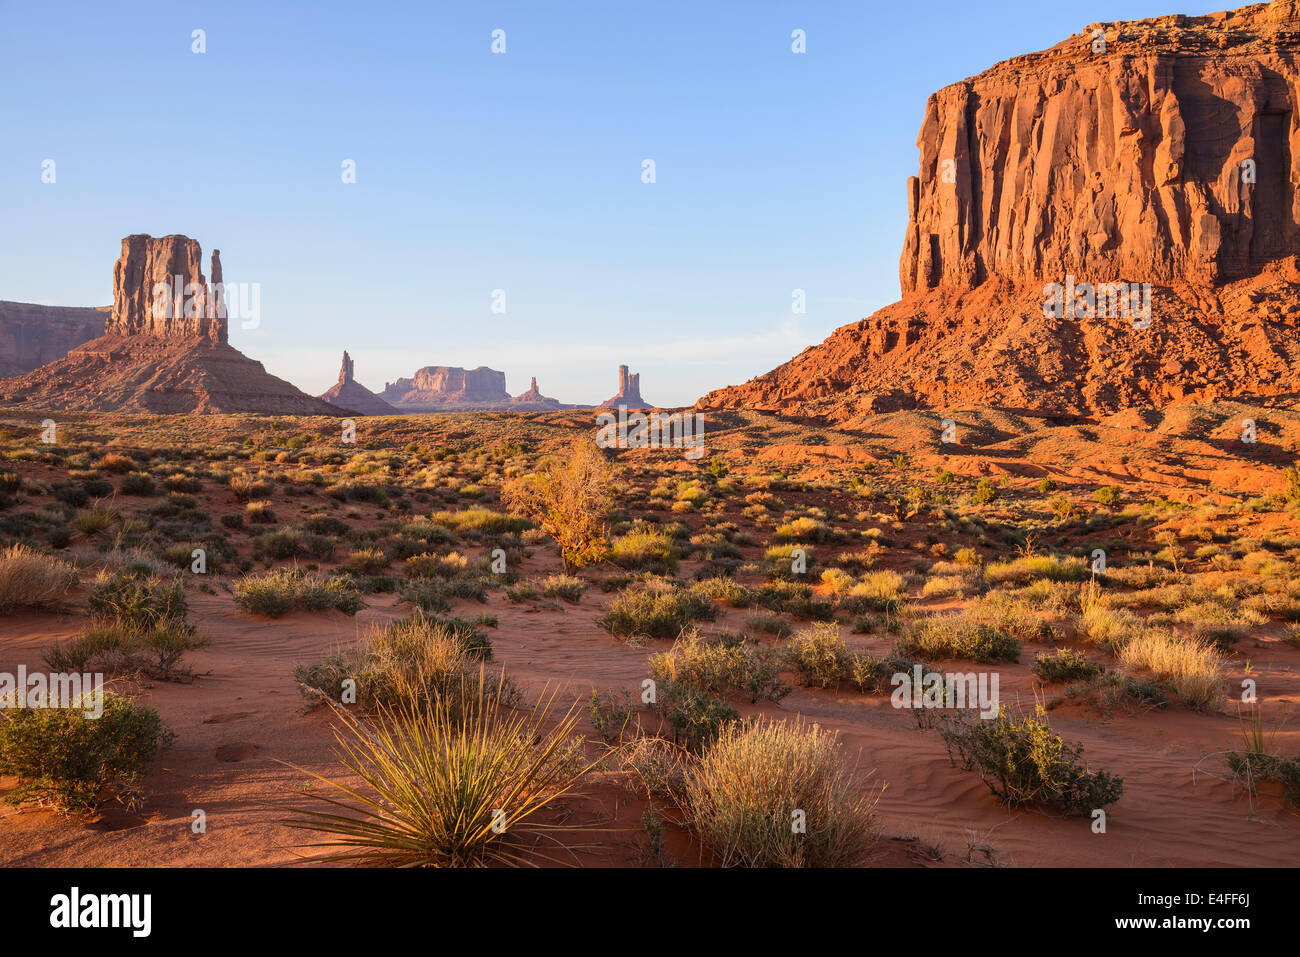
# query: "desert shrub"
436, 566
278, 592
644, 550
111, 645
1108, 495
249, 487
877, 591
696, 716
482, 520
788, 562
960, 635
366, 561
260, 512
1065, 664
1291, 478
1022, 760
570, 499
1022, 571
291, 543
794, 598
1193, 669
805, 529
726, 590
655, 609
566, 587
137, 598
610, 714
820, 657
29, 579
137, 483
985, 491
721, 666
1108, 690
498, 770
773, 625
66, 760
417, 661
741, 793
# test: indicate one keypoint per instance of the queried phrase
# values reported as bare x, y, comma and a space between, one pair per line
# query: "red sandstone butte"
172, 359
629, 392
349, 395
1168, 155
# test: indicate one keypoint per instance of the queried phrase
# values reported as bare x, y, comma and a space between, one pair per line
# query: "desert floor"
1202, 511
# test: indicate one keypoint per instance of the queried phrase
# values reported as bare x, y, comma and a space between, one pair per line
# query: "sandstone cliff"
32, 335
1162, 153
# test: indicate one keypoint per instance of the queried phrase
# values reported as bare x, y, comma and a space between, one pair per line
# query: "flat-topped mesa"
1163, 150
159, 290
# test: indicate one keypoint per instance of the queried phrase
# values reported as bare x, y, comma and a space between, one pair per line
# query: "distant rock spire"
345, 373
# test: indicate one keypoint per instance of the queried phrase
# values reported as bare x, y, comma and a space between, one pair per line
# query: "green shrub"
416, 661
1022, 760
696, 716
278, 592
1063, 665
137, 598
1108, 495
611, 715
63, 759
985, 491
655, 609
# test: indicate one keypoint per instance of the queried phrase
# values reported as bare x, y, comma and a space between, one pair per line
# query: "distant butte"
350, 395
629, 392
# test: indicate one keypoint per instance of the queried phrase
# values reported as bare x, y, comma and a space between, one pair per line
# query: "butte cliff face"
163, 350
1163, 154
351, 396
32, 335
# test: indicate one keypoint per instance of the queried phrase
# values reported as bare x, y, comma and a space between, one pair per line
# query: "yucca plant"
449, 789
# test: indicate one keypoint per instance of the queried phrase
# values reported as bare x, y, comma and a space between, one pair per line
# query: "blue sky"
478, 172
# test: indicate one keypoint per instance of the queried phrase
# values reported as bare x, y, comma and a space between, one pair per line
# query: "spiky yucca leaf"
447, 787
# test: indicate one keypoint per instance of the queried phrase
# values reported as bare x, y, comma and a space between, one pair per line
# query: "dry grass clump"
1192, 668
279, 592
1022, 571
776, 794
721, 666
420, 660
966, 634
29, 579
644, 550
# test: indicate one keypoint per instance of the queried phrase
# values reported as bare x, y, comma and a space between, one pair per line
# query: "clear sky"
478, 171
